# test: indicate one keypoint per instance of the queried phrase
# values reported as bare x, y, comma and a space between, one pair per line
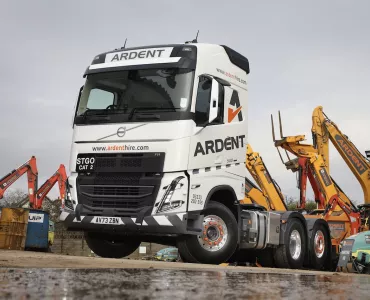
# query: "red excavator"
35, 196
28, 167
59, 176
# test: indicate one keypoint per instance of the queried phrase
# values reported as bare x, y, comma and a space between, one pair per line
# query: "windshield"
135, 91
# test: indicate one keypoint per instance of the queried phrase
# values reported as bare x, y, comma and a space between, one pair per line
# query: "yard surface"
32, 275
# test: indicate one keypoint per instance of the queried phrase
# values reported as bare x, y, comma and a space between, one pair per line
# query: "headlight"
67, 202
167, 203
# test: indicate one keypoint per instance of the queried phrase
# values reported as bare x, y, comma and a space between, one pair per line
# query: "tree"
310, 205
292, 204
52, 207
12, 197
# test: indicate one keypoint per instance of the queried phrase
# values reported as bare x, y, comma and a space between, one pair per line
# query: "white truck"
158, 152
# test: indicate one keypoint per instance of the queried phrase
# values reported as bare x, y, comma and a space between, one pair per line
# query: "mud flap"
345, 255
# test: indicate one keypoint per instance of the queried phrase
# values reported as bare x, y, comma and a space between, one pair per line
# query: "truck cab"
158, 132
158, 155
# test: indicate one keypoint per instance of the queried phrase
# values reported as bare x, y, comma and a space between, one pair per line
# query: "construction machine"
269, 195
29, 167
325, 130
342, 215
302, 165
59, 176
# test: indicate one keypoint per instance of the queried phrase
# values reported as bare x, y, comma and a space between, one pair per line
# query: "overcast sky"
302, 54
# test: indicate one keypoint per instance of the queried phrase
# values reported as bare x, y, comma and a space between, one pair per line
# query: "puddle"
175, 284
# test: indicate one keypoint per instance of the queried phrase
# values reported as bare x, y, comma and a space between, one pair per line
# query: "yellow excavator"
343, 217
268, 194
325, 130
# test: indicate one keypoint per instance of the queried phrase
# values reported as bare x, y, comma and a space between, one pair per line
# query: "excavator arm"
322, 178
28, 167
59, 176
270, 195
253, 195
302, 165
323, 130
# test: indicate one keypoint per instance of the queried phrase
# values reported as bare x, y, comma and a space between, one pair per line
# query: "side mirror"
213, 105
76, 105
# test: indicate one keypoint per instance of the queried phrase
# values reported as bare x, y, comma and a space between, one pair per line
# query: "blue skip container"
37, 230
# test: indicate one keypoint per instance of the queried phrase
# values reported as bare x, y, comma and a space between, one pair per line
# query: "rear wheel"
111, 246
319, 244
265, 257
291, 254
218, 239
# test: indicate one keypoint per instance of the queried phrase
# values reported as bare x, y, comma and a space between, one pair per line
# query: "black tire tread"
319, 264
184, 252
183, 242
103, 249
280, 257
282, 252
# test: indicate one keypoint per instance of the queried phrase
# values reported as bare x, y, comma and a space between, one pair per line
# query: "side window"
99, 99
203, 99
203, 102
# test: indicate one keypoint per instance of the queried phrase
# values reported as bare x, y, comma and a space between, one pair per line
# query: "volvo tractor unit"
158, 155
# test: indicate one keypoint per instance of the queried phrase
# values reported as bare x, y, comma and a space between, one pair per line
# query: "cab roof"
235, 57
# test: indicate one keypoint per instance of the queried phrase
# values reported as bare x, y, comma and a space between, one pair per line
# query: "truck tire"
218, 241
265, 257
290, 255
319, 244
114, 247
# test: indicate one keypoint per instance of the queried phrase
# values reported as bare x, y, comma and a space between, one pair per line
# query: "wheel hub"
319, 244
295, 244
214, 234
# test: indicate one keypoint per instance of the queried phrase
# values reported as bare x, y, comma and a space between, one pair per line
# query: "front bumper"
176, 223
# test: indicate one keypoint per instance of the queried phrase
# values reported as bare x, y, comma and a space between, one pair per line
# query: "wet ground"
175, 284
96, 278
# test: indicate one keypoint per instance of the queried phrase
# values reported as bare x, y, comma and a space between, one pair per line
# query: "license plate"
107, 220
85, 163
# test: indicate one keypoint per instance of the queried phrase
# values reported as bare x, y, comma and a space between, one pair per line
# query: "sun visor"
144, 58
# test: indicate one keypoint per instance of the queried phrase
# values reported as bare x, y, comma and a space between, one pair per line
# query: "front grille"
118, 160
114, 204
117, 178
127, 192
126, 162
118, 191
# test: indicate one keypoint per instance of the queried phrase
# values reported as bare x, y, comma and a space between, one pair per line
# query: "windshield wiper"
94, 114
148, 108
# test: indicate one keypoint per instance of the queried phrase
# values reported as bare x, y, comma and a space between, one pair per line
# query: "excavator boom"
59, 176
269, 195
323, 180
28, 167
323, 130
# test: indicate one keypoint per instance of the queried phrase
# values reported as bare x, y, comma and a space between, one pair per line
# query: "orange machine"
59, 176
28, 167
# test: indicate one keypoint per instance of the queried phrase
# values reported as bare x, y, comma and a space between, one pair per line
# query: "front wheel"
111, 246
218, 240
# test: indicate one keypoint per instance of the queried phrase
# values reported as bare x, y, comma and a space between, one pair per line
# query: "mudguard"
285, 216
